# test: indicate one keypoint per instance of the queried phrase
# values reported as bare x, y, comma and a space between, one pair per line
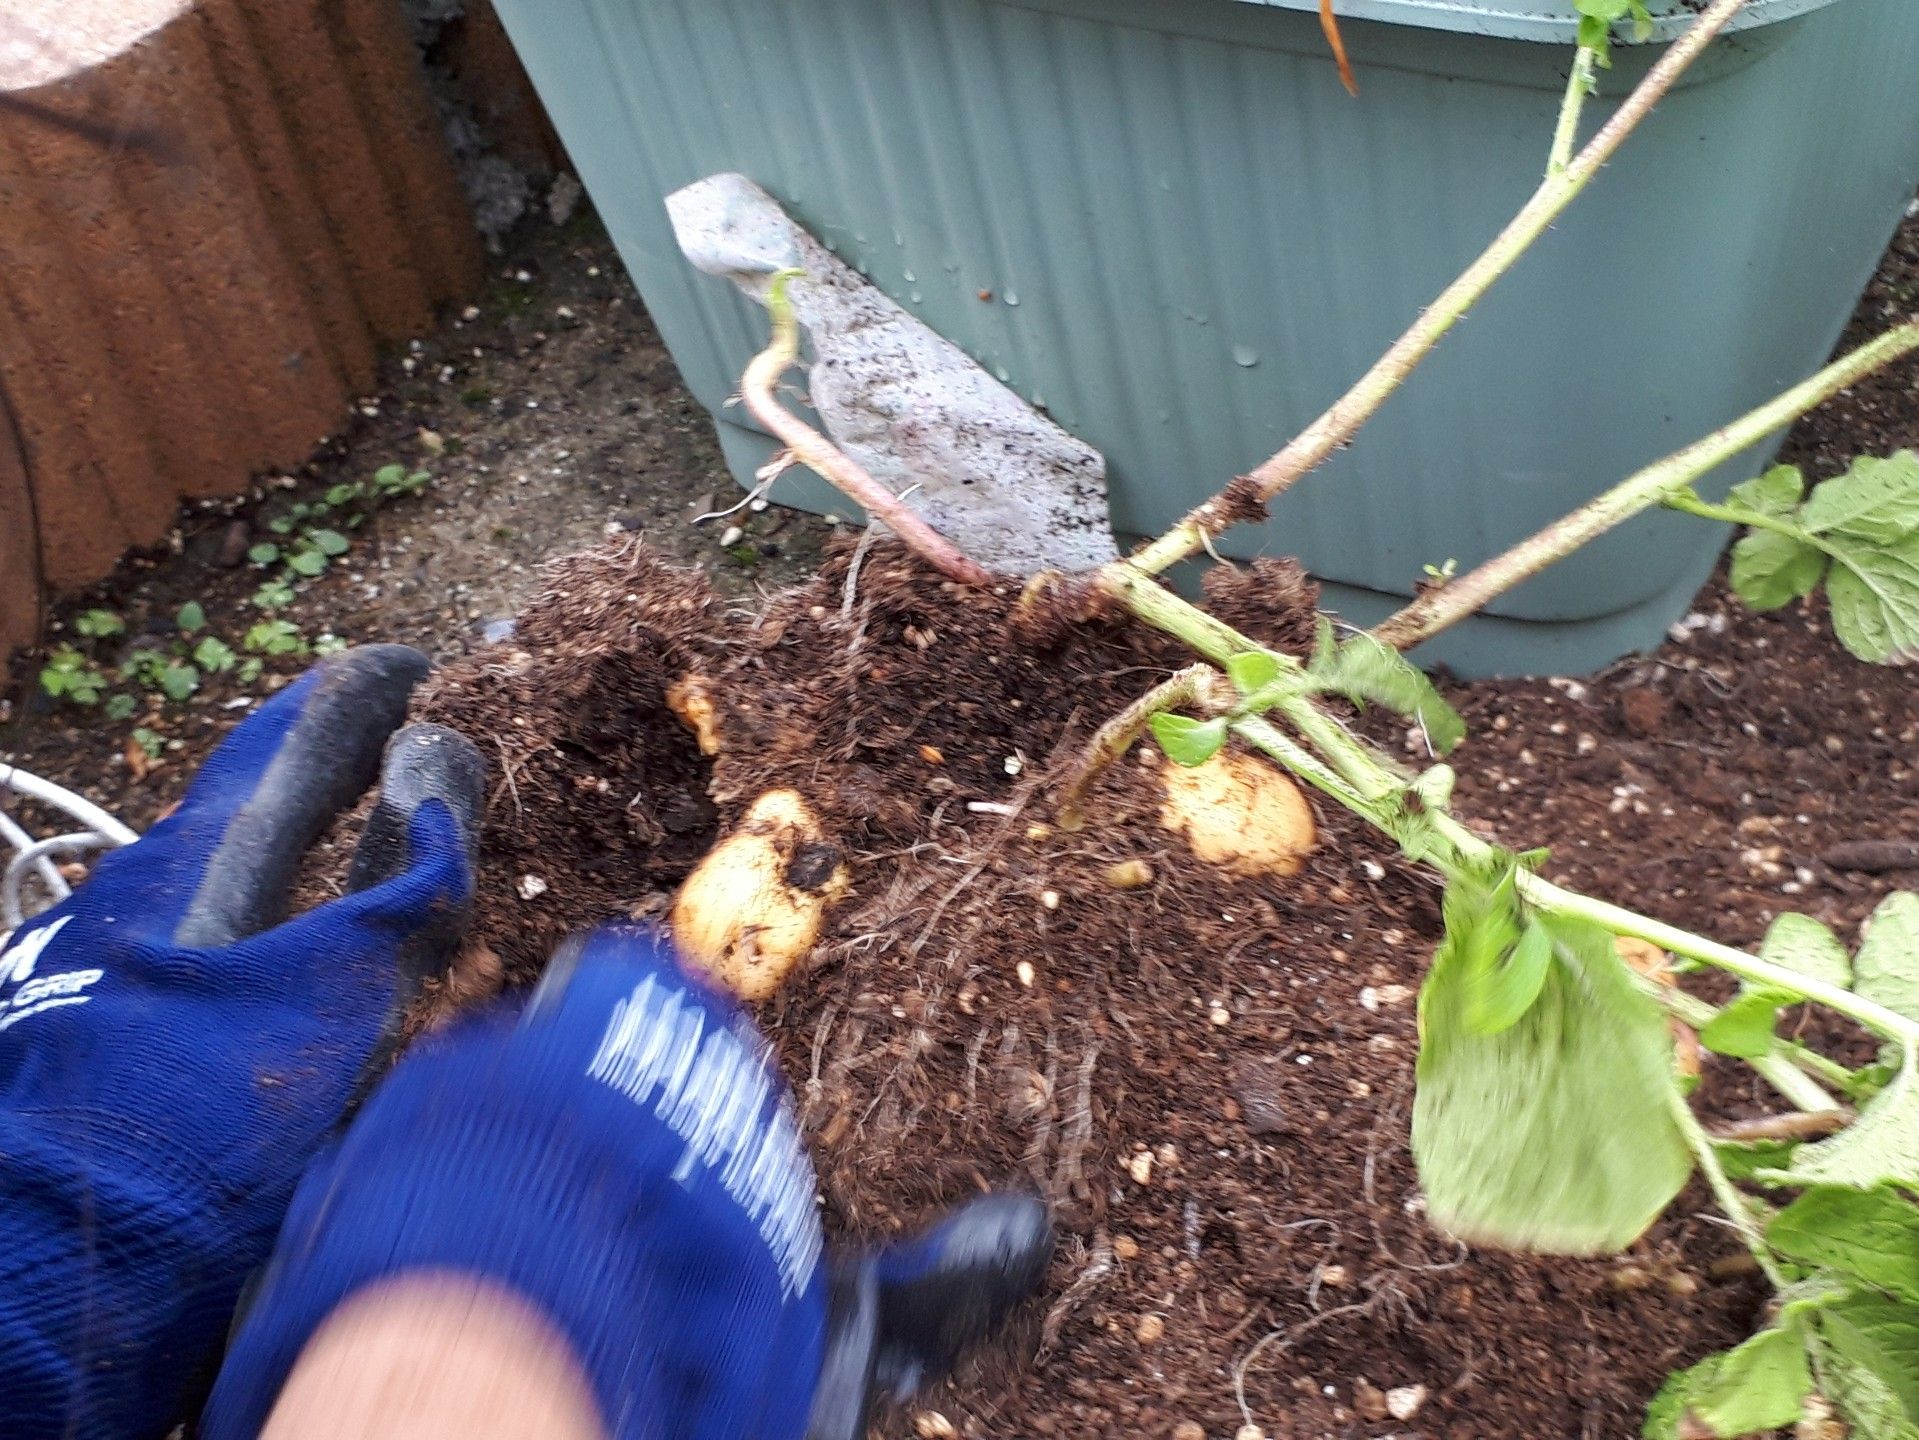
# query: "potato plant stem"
1199, 685
1368, 794
1319, 440
817, 453
1548, 896
1693, 505
1437, 609
1728, 1196
1579, 85
1262, 734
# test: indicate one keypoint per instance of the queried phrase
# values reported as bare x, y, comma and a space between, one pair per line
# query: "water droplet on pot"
1245, 355
1010, 298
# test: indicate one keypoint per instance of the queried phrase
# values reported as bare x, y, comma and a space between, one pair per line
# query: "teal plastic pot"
1170, 225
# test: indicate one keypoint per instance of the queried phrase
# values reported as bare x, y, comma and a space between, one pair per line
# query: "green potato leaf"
1868, 519
1744, 1027
1875, 500
1869, 1235
1776, 493
1252, 670
1759, 1385
1187, 741
1770, 570
1555, 1134
1880, 1147
1744, 1159
1869, 1356
1801, 943
1887, 969
1875, 601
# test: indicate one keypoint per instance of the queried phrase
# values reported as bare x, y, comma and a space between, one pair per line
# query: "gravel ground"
548, 415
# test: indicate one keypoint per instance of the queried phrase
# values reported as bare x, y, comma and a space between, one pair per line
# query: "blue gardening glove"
621, 1155
169, 1064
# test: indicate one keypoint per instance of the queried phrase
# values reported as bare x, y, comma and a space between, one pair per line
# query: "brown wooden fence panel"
205, 233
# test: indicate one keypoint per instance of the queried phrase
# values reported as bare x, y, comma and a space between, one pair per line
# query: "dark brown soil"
1254, 1038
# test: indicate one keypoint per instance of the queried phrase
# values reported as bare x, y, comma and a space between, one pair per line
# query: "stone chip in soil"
1279, 1216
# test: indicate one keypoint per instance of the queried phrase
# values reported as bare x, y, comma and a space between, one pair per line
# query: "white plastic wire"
101, 831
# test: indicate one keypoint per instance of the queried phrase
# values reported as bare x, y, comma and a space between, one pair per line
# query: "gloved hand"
621, 1155
169, 1064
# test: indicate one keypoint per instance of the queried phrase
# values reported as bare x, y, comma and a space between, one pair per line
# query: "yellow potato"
691, 699
751, 910
1239, 812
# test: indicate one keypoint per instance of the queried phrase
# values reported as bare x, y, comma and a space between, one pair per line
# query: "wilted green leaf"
1555, 1134
1759, 1385
1366, 671
1869, 1235
1187, 741
1252, 670
192, 616
1887, 970
1499, 958
1770, 570
1881, 1146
